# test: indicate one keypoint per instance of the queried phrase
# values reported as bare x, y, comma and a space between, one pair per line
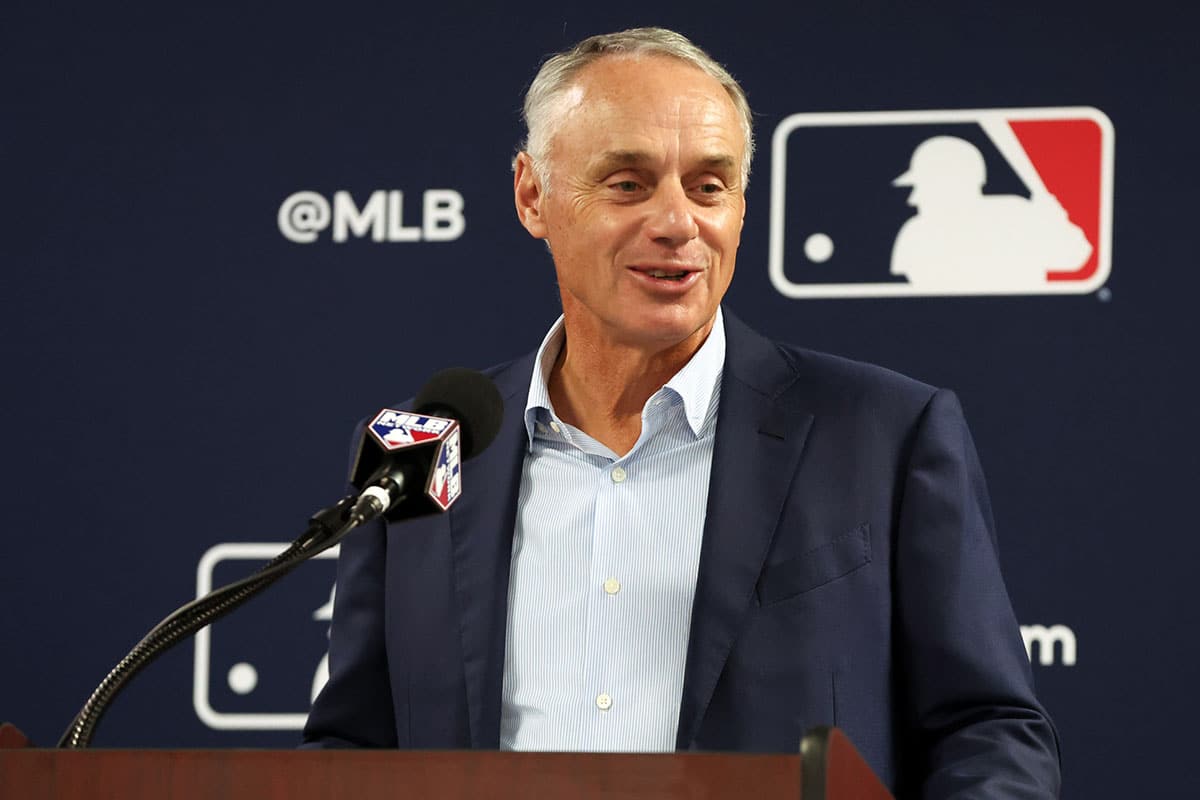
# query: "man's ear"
528, 194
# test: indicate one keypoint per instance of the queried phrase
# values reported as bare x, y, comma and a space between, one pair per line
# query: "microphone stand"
327, 527
463, 394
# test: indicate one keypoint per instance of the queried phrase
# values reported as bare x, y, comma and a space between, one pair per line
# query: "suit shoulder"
840, 382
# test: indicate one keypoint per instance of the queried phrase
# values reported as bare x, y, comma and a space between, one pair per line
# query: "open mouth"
667, 274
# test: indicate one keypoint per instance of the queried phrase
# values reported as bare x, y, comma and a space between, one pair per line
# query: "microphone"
458, 414
408, 463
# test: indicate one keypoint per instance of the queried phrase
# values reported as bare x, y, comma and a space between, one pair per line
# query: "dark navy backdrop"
181, 375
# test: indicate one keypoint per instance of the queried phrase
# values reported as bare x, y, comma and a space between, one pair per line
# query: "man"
686, 536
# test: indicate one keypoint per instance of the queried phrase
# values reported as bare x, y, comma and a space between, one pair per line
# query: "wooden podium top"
367, 774
832, 769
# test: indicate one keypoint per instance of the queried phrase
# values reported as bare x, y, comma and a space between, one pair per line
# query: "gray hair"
543, 114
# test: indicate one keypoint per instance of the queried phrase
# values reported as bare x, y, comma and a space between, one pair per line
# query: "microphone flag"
396, 430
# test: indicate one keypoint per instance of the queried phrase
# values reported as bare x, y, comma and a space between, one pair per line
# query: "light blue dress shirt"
605, 557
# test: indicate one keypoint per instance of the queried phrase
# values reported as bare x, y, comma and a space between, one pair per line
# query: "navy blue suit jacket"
848, 576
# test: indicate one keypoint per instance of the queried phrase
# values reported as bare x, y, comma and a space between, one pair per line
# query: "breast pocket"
835, 559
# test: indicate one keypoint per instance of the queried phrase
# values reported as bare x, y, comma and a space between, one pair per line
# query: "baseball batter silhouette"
962, 239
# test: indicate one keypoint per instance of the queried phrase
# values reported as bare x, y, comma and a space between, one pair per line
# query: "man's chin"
662, 332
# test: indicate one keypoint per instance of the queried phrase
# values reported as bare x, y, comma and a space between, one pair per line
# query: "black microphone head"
469, 397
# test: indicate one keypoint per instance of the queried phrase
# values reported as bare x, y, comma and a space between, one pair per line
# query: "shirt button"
603, 702
618, 475
612, 586
556, 427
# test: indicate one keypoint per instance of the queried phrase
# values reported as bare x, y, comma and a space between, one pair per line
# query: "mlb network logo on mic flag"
396, 430
1013, 201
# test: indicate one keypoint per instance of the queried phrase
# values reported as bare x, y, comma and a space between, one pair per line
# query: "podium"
827, 768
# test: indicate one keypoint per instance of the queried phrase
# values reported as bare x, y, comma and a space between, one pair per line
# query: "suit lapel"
481, 530
759, 439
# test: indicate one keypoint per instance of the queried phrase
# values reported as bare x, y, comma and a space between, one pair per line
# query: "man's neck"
601, 387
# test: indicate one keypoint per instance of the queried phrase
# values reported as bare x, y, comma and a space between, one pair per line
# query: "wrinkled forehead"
636, 96
634, 80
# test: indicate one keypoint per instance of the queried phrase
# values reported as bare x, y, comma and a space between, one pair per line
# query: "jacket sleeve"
968, 686
355, 708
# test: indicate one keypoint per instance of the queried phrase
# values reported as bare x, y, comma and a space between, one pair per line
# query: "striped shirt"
605, 556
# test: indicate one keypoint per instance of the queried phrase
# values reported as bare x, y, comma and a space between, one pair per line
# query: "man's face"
644, 207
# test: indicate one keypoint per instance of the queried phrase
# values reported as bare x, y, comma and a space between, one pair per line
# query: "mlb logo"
445, 479
396, 430
260, 668
929, 203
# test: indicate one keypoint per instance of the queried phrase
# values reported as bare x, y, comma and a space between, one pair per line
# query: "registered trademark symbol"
1104, 295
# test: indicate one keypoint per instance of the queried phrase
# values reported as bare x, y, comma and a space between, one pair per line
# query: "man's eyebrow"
612, 159
719, 162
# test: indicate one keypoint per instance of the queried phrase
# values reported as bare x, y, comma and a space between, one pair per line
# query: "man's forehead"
620, 79
622, 103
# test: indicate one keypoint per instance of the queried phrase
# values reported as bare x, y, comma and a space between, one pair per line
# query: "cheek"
725, 232
602, 234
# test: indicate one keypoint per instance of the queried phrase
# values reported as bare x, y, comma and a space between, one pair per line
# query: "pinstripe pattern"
586, 518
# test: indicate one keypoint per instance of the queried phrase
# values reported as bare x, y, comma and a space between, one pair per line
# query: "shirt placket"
602, 712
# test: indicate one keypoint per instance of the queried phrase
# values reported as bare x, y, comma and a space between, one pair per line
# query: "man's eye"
626, 186
710, 188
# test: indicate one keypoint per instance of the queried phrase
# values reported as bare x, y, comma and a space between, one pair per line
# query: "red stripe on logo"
1066, 154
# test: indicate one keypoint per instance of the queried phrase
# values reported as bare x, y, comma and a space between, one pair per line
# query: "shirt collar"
695, 383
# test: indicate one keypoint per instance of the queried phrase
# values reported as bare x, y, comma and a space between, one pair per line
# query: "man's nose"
671, 220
